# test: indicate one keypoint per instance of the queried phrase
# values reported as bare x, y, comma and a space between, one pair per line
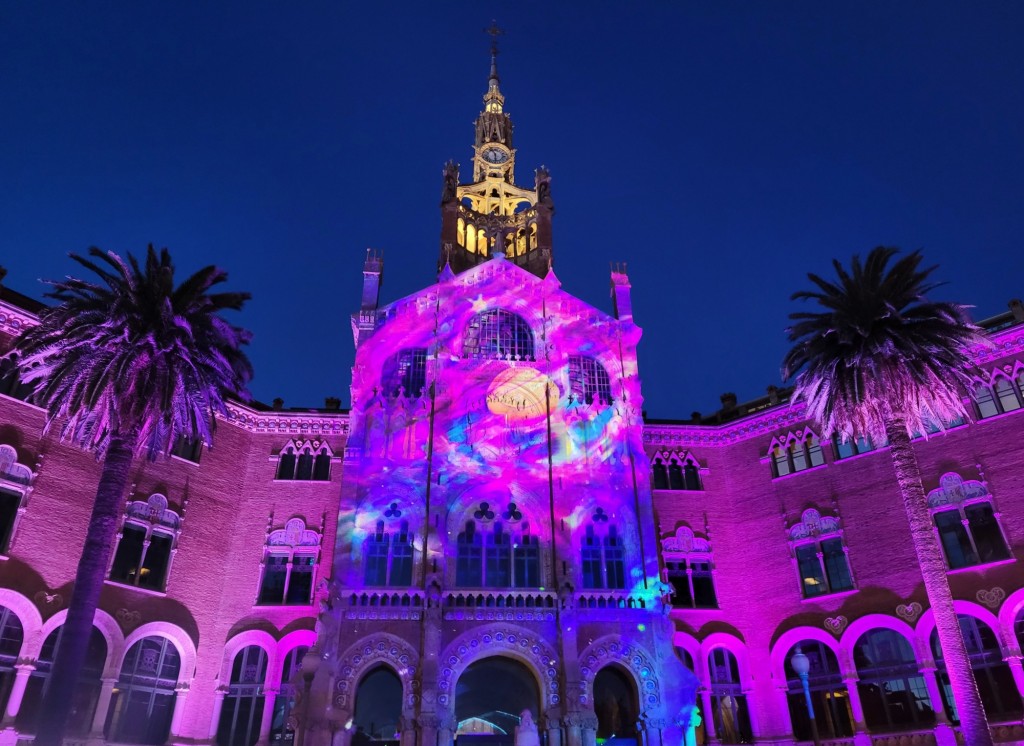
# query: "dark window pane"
322, 468
499, 561
811, 577
158, 556
703, 586
590, 561
286, 466
660, 475
9, 502
376, 560
985, 530
614, 561
588, 381
691, 477
836, 565
469, 560
275, 571
304, 471
401, 561
680, 581
129, 552
527, 559
300, 584
955, 542
675, 476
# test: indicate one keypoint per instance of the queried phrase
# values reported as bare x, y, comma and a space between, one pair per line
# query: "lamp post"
802, 666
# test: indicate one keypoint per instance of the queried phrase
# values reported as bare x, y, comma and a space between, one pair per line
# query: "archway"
378, 707
616, 706
489, 697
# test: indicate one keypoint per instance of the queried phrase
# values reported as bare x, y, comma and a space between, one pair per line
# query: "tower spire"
493, 98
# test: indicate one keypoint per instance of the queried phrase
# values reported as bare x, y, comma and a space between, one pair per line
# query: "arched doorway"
378, 708
615, 704
489, 698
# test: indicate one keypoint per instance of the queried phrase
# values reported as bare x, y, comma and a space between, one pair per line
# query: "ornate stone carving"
685, 542
909, 612
629, 655
836, 624
49, 600
129, 619
383, 647
813, 523
991, 598
954, 490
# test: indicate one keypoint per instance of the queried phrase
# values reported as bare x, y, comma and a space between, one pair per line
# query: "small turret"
621, 300
365, 321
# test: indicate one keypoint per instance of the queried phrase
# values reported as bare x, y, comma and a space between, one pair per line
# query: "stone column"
22, 672
407, 729
588, 729
269, 699
860, 732
446, 727
784, 716
573, 731
218, 705
428, 724
709, 713
755, 725
650, 729
944, 734
102, 708
1017, 669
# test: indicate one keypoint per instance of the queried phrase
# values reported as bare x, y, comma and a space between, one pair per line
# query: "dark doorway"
615, 704
489, 698
378, 708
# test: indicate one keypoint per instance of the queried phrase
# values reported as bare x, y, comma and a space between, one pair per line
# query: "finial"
494, 33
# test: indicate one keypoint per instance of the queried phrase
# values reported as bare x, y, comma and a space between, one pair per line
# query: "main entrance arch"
490, 696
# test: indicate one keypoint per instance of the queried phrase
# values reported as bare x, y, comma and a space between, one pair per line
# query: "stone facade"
495, 493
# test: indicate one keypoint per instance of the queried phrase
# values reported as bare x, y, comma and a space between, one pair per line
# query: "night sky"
722, 149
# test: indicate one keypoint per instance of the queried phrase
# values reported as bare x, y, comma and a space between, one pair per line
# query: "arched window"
242, 711
280, 732
847, 447
995, 682
305, 460
660, 473
520, 242
828, 693
12, 635
797, 453
689, 570
471, 239
533, 236
289, 565
143, 701
460, 232
615, 705
603, 559
469, 558
985, 402
820, 554
968, 525
389, 557
1006, 394
498, 335
147, 544
87, 691
588, 381
892, 690
728, 702
406, 372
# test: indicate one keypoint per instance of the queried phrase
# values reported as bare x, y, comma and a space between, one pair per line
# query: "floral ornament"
393, 511
600, 516
512, 513
485, 513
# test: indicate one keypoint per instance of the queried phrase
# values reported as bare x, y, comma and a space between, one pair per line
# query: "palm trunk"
973, 722
85, 596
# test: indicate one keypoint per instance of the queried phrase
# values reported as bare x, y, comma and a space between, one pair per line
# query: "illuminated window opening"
242, 711
498, 335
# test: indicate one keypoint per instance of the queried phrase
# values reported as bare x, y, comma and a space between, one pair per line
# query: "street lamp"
802, 666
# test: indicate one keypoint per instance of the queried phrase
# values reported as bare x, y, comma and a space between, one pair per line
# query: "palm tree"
883, 361
127, 364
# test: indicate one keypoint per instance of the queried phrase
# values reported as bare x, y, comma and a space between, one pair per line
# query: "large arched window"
828, 693
498, 335
143, 702
995, 682
12, 635
892, 690
728, 702
615, 704
87, 691
147, 544
280, 732
242, 711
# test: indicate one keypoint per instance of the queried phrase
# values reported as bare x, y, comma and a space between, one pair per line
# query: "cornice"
287, 423
14, 320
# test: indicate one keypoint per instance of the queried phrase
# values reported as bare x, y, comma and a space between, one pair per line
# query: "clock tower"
492, 213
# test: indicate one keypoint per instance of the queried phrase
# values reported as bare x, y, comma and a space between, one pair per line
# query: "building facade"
493, 529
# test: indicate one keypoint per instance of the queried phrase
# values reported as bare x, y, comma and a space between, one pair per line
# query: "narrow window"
469, 558
679, 579
527, 562
614, 560
304, 471
128, 556
10, 501
986, 403
286, 464
691, 477
156, 562
812, 577
322, 467
660, 474
837, 567
588, 380
590, 560
499, 560
377, 546
188, 448
300, 580
984, 528
275, 574
401, 558
954, 539
780, 461
284, 703
143, 700
798, 455
728, 702
814, 453
703, 585
242, 711
1006, 395
675, 475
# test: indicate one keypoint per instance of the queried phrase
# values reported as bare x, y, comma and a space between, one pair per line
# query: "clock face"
495, 155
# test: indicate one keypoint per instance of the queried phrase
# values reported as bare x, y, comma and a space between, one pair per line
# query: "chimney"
332, 403
695, 417
621, 300
1016, 308
277, 404
773, 395
728, 400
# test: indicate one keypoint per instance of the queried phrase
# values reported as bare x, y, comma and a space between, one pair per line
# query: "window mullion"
287, 575
966, 522
820, 554
142, 554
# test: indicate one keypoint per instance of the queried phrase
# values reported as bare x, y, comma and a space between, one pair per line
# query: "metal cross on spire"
494, 33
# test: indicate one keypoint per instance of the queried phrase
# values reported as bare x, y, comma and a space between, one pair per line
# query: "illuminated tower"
492, 213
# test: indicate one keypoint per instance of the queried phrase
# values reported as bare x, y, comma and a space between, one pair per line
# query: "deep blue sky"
723, 149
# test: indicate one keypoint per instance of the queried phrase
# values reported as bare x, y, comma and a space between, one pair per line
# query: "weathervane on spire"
494, 33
